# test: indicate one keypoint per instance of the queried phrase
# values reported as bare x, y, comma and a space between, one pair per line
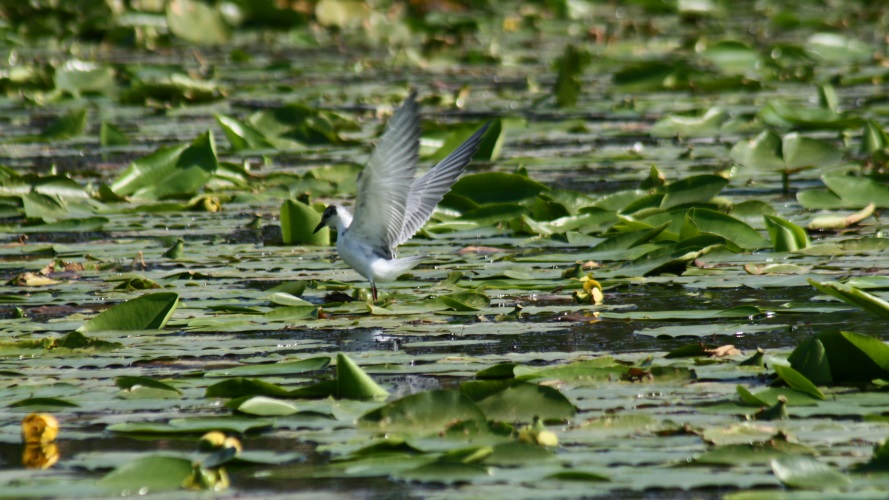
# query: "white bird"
391, 206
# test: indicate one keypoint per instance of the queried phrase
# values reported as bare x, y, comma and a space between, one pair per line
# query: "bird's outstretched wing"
430, 188
384, 184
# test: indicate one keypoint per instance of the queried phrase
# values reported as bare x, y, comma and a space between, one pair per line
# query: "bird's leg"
373, 290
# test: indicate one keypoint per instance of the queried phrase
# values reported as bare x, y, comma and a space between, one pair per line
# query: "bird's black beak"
319, 226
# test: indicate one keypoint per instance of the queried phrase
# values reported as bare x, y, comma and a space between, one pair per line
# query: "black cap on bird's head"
326, 217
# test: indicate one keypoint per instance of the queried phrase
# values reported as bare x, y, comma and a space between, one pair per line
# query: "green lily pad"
516, 401
423, 413
804, 472
148, 312
152, 473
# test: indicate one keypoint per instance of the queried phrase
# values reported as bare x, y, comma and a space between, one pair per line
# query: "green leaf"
241, 135
570, 68
804, 152
732, 57
241, 387
748, 398
262, 406
810, 359
148, 312
854, 357
298, 221
694, 189
763, 152
196, 22
786, 236
858, 191
804, 472
77, 77
578, 475
170, 172
752, 453
730, 228
854, 296
797, 381
72, 124
497, 187
874, 140
129, 382
518, 453
424, 413
109, 135
838, 48
704, 125
47, 403
787, 115
517, 401
152, 473
353, 383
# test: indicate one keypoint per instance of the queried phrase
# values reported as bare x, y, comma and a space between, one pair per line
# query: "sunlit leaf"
196, 22
298, 222
353, 383
804, 472
786, 236
174, 171
497, 187
77, 77
148, 312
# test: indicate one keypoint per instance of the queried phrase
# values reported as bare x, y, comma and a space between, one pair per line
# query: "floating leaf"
516, 401
840, 222
694, 189
72, 124
704, 125
242, 135
798, 381
241, 387
148, 312
130, 381
570, 69
425, 413
152, 473
804, 472
169, 172
262, 406
298, 222
497, 187
109, 135
854, 296
77, 77
353, 383
196, 22
786, 236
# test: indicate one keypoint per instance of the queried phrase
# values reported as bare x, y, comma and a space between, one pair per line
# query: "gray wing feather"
384, 183
430, 188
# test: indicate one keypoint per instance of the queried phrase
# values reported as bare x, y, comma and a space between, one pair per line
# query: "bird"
391, 205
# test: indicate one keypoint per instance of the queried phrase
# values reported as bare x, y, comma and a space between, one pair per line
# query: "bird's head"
334, 216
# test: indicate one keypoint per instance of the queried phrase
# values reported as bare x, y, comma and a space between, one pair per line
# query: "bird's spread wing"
430, 188
384, 183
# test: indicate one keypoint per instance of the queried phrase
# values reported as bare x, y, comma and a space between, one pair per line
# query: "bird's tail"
389, 270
